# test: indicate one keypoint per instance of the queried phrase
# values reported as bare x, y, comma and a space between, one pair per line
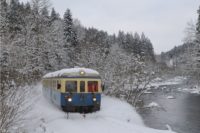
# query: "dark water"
181, 113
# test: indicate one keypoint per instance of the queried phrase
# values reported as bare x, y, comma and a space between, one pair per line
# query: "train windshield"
92, 86
82, 86
71, 86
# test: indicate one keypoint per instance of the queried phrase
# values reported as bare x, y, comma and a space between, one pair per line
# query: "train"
74, 89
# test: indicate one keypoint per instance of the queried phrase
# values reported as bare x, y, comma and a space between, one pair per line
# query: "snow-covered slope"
115, 116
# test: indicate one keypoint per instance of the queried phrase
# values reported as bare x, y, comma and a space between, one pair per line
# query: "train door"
82, 96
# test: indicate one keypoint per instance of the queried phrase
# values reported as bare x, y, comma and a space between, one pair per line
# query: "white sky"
163, 21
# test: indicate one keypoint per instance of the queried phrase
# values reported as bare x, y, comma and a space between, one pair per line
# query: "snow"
152, 104
170, 97
158, 79
193, 90
115, 116
148, 92
173, 81
162, 84
72, 72
169, 127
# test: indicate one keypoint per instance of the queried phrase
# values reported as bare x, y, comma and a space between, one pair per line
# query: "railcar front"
80, 92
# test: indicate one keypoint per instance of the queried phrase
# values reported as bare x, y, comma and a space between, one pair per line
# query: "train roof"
73, 72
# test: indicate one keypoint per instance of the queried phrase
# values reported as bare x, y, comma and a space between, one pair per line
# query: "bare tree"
192, 55
139, 83
13, 104
190, 32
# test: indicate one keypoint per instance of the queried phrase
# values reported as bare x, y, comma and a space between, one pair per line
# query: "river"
182, 113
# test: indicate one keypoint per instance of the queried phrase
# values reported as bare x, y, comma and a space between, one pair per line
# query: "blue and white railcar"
74, 89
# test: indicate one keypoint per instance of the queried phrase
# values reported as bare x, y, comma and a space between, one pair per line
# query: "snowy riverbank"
162, 83
115, 116
193, 90
172, 81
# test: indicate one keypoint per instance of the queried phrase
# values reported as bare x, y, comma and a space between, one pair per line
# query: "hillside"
183, 58
115, 116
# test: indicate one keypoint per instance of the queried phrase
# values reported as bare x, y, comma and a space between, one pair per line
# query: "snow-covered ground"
152, 104
115, 116
193, 90
157, 82
170, 97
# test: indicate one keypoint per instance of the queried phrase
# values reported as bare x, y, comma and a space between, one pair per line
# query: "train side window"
92, 86
82, 86
53, 84
48, 83
58, 85
71, 86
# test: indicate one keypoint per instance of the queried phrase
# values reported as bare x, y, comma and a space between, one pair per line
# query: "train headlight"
69, 99
82, 72
94, 99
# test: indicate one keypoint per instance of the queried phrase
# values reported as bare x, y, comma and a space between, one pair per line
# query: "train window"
71, 86
48, 84
92, 86
53, 84
82, 86
58, 85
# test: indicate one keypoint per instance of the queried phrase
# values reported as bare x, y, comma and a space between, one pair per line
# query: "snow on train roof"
72, 72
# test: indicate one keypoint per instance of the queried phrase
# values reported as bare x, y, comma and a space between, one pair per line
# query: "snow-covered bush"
13, 105
13, 101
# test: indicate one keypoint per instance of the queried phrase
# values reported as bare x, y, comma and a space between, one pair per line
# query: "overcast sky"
163, 21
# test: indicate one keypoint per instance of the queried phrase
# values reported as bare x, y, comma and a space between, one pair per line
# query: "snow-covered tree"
198, 21
69, 34
54, 15
3, 18
121, 39
93, 49
37, 42
198, 47
13, 104
80, 30
70, 37
185, 58
126, 75
136, 44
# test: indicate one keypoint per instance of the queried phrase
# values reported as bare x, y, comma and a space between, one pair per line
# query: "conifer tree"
121, 39
54, 15
3, 18
198, 21
136, 44
44, 12
70, 36
198, 47
14, 16
68, 26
